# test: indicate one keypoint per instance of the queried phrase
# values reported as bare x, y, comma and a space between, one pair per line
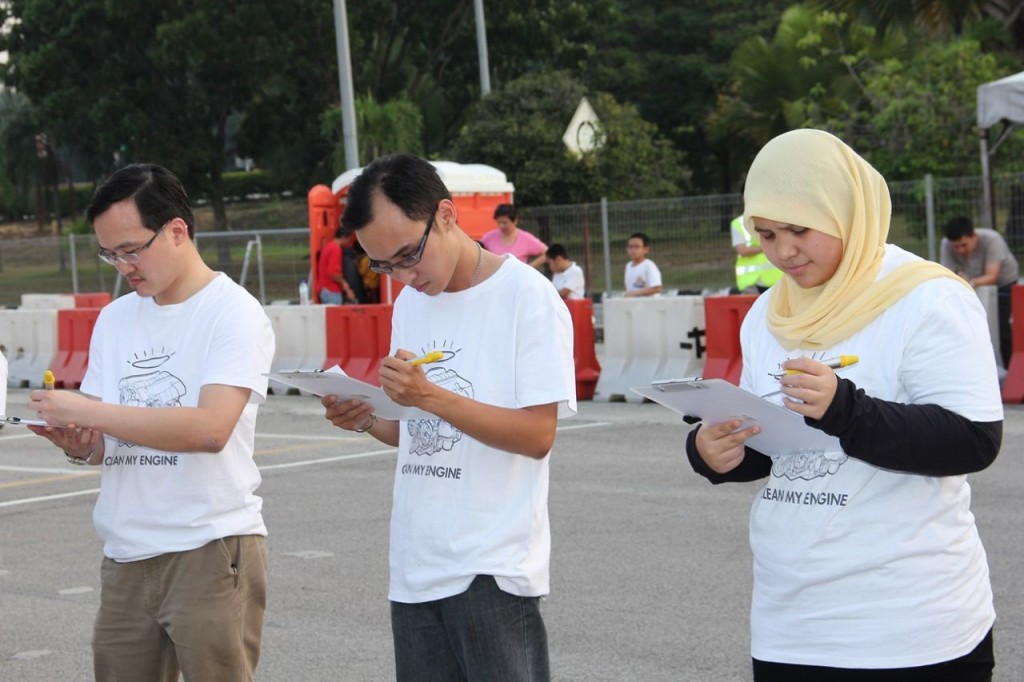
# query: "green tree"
670, 59
936, 17
160, 80
808, 74
920, 113
282, 124
425, 51
395, 126
17, 150
519, 129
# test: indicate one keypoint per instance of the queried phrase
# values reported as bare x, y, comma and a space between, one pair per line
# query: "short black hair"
409, 182
157, 192
557, 251
958, 228
642, 237
507, 210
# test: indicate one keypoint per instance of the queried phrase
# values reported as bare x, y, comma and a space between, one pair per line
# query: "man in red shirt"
331, 286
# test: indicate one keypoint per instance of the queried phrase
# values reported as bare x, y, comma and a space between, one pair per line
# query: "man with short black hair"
470, 540
168, 410
982, 257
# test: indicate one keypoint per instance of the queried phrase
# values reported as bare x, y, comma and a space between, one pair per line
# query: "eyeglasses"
128, 257
385, 268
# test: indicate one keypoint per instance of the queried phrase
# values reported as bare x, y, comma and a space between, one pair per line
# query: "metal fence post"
929, 213
607, 247
74, 263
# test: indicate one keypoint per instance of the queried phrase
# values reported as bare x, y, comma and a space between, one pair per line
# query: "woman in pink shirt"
508, 238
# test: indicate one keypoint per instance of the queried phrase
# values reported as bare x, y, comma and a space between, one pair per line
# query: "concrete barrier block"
646, 339
29, 339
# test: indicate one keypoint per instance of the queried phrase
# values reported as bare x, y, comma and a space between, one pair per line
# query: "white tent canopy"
1000, 101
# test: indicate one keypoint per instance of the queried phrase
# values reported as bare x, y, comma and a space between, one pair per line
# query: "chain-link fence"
269, 263
690, 241
690, 238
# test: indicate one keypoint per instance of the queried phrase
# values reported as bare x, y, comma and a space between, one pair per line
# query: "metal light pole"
348, 108
481, 47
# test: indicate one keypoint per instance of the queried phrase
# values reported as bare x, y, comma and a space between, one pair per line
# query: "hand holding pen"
834, 363
403, 379
809, 385
78, 444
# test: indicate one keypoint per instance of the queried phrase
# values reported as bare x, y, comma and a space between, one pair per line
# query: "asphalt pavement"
650, 575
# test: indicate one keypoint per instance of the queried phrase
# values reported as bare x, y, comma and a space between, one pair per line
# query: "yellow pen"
834, 363
48, 380
432, 356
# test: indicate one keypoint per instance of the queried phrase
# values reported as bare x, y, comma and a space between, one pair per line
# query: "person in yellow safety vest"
753, 268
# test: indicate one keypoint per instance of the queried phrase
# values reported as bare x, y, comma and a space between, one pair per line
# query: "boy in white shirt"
643, 278
567, 276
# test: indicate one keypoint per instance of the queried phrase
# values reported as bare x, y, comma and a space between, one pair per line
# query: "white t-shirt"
642, 275
461, 508
572, 279
854, 564
143, 354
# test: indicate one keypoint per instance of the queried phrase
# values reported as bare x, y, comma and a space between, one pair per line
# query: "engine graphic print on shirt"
430, 436
807, 465
155, 388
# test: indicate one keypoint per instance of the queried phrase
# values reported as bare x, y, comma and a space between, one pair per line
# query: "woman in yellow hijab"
866, 555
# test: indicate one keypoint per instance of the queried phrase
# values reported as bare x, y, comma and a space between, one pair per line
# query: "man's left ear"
449, 212
179, 228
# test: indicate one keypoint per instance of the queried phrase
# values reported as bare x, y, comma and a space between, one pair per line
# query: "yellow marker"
432, 356
48, 380
834, 363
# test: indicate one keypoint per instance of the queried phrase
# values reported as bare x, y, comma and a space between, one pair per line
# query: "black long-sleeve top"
916, 439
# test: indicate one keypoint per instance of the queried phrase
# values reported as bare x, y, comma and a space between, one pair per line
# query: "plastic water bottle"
303, 293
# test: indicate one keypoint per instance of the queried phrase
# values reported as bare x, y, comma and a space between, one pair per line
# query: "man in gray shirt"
982, 257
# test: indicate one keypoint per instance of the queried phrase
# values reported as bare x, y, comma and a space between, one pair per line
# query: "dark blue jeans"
483, 634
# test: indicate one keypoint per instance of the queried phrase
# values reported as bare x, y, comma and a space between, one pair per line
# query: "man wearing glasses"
174, 381
470, 541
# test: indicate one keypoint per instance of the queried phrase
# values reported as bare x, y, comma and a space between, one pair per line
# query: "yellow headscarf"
813, 179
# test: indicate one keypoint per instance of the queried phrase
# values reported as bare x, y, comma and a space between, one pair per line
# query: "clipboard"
18, 421
783, 432
334, 381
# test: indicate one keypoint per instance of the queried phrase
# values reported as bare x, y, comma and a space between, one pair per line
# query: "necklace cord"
476, 270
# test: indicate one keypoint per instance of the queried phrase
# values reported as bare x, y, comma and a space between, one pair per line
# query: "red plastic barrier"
358, 336
96, 299
588, 370
1013, 383
74, 331
723, 316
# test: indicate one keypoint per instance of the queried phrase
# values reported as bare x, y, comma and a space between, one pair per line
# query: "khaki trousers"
198, 612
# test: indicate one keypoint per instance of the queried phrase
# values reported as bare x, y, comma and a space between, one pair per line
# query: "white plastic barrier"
301, 336
29, 338
47, 301
647, 339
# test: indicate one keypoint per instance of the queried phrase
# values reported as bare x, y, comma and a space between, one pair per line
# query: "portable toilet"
476, 189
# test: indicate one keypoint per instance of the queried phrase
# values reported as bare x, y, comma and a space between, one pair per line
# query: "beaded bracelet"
373, 422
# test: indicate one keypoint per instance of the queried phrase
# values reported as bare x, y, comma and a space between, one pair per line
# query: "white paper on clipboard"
334, 381
783, 432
